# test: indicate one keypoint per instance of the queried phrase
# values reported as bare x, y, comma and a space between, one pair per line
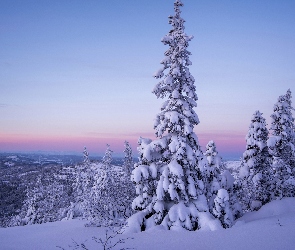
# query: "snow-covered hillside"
272, 227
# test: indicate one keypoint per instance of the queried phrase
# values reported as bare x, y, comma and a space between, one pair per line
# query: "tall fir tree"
168, 176
255, 169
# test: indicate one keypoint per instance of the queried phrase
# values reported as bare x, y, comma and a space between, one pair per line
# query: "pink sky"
97, 144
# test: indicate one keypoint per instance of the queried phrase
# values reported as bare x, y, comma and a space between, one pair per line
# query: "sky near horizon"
79, 73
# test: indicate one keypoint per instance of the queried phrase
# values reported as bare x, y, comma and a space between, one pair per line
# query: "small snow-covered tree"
85, 156
222, 208
227, 182
128, 160
83, 181
168, 176
110, 195
107, 158
255, 172
32, 212
214, 160
292, 133
212, 173
82, 188
97, 204
46, 201
218, 177
281, 145
282, 128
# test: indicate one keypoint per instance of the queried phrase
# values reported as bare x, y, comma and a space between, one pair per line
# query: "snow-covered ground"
272, 227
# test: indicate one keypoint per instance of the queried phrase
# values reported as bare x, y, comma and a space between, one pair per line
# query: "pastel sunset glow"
79, 73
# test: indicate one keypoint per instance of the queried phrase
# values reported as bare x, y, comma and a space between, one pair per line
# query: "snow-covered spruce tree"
32, 212
227, 182
217, 177
107, 158
128, 160
222, 208
110, 195
281, 146
292, 133
45, 202
88, 204
213, 171
97, 204
168, 176
86, 156
214, 160
77, 186
255, 172
82, 184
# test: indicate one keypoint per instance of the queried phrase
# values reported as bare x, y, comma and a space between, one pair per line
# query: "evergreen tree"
281, 146
97, 204
213, 171
222, 208
218, 177
82, 184
47, 201
110, 196
255, 170
227, 182
128, 160
168, 176
292, 133
107, 158
32, 211
85, 156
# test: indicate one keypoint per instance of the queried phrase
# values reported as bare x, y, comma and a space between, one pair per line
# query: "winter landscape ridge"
175, 196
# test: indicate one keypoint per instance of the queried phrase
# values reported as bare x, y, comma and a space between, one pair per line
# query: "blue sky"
75, 73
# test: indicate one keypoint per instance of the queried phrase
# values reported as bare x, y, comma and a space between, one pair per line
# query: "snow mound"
275, 208
208, 222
